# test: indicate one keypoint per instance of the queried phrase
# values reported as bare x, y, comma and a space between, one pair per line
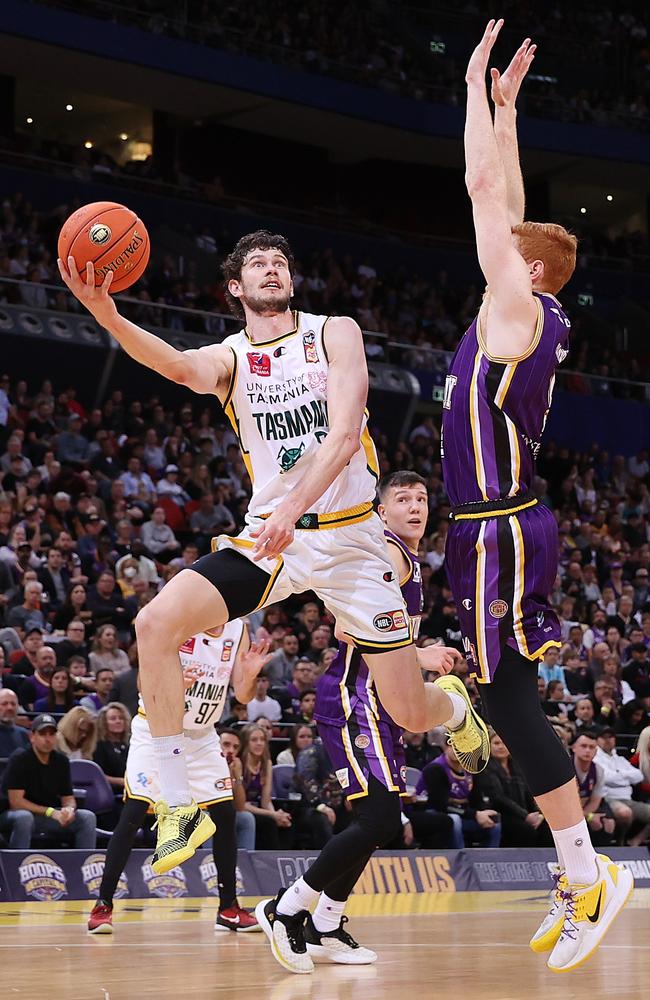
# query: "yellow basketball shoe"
589, 911
180, 831
471, 741
546, 935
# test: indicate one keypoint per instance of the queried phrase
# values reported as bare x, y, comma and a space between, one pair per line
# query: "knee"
87, 818
153, 627
623, 814
23, 819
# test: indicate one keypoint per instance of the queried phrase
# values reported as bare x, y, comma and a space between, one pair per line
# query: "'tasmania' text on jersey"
494, 410
278, 407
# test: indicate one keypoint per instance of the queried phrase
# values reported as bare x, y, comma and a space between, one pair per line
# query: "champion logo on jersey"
309, 344
279, 351
259, 363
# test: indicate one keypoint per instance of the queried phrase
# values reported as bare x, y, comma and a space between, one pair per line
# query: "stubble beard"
267, 305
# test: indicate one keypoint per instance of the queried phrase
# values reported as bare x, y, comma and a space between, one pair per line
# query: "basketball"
112, 237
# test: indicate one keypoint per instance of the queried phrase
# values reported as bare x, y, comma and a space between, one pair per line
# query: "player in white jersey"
294, 387
211, 662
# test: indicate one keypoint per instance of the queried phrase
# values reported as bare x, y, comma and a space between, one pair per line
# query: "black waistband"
493, 508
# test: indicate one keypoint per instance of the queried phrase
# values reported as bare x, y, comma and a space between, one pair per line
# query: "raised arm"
204, 370
505, 89
347, 391
511, 310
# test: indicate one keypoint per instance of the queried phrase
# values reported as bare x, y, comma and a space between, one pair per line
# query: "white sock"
577, 853
298, 896
558, 848
172, 769
459, 706
328, 913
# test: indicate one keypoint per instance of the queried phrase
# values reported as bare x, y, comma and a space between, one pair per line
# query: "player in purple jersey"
365, 748
502, 547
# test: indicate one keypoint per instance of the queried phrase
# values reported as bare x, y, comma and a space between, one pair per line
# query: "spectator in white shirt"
262, 705
158, 537
138, 484
170, 486
620, 777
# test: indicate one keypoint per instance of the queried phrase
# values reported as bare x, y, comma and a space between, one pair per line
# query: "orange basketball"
112, 237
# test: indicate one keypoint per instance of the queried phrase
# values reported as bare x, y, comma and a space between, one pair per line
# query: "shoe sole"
548, 941
237, 930
321, 956
264, 925
460, 689
610, 921
203, 832
102, 929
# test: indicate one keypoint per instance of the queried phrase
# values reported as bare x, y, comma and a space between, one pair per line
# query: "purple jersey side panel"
494, 412
347, 683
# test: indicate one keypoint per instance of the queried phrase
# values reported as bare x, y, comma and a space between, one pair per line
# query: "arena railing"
170, 322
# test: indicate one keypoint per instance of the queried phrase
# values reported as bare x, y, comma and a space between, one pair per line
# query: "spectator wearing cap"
620, 778
158, 538
38, 685
87, 545
12, 737
55, 578
38, 787
138, 485
169, 486
25, 664
72, 447
636, 671
28, 613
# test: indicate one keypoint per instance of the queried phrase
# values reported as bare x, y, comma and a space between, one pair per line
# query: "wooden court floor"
469, 946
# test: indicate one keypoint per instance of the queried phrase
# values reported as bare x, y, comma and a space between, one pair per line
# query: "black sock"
120, 846
224, 851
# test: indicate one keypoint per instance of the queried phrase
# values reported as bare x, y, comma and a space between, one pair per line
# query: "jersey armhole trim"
405, 579
322, 338
233, 379
517, 357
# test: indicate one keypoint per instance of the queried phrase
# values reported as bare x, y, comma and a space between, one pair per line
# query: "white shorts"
207, 767
349, 569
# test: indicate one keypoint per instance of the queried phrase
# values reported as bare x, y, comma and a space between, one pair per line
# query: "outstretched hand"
94, 297
505, 88
256, 657
477, 65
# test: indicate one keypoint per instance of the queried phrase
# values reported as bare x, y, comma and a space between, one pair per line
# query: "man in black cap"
637, 669
38, 789
72, 447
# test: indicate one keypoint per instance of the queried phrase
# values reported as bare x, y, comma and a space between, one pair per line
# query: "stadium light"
69, 107
123, 136
88, 144
30, 121
583, 211
610, 197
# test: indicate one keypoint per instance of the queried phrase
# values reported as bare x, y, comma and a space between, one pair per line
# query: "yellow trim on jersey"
345, 697
495, 513
504, 385
230, 412
539, 326
475, 426
322, 338
481, 649
130, 795
246, 543
283, 336
401, 548
368, 445
536, 654
379, 750
520, 566
233, 379
382, 646
336, 518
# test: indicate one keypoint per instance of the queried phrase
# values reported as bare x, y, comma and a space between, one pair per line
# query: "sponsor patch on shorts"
498, 608
390, 621
343, 777
362, 742
402, 773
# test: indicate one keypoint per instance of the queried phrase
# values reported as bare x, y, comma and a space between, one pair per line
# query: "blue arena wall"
70, 874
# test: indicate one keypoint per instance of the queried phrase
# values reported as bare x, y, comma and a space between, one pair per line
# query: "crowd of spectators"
100, 508
420, 51
413, 319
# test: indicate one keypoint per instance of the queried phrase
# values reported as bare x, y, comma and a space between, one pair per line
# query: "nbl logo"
259, 363
99, 234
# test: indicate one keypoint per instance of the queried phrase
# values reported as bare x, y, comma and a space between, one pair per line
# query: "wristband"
589, 817
49, 812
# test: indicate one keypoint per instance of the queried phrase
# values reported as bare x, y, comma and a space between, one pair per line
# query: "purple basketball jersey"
347, 682
494, 411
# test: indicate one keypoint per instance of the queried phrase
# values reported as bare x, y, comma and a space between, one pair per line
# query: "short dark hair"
396, 479
306, 692
262, 239
591, 734
229, 731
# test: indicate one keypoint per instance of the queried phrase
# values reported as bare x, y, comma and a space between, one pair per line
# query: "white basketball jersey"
277, 405
214, 659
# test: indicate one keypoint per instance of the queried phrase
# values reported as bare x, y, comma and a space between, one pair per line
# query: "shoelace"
557, 892
344, 936
569, 928
295, 927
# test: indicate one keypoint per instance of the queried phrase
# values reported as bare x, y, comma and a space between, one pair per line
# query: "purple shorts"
501, 570
365, 746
